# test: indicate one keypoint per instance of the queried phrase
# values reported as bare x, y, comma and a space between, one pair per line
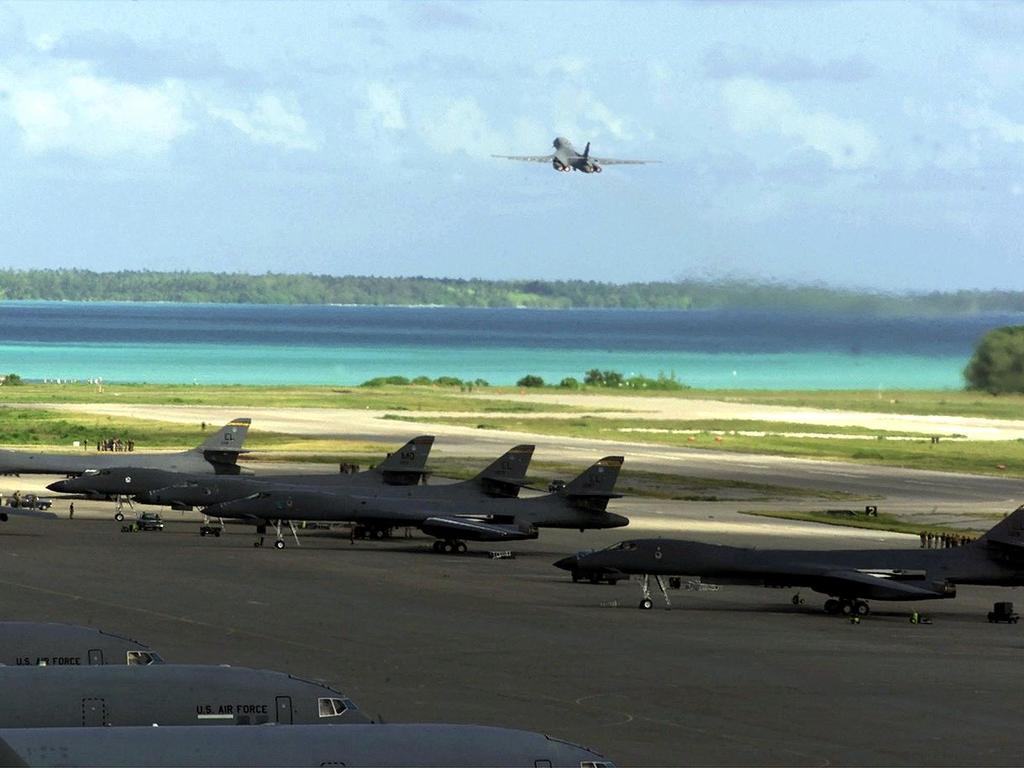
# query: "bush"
421, 381
13, 380
997, 366
569, 383
530, 381
380, 381
448, 381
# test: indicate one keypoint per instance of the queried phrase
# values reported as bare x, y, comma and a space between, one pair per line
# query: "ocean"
342, 345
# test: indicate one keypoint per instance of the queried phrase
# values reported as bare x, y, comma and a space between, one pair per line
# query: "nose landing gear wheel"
119, 517
279, 544
646, 604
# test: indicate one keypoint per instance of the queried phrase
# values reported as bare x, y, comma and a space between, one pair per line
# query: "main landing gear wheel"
119, 516
846, 607
646, 604
452, 547
279, 544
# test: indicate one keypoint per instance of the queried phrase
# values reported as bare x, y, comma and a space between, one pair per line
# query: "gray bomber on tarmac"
566, 158
849, 577
450, 513
165, 694
35, 643
298, 745
217, 454
182, 490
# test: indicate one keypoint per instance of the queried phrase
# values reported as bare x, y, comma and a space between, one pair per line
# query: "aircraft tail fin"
595, 486
506, 474
406, 466
586, 151
1007, 534
221, 449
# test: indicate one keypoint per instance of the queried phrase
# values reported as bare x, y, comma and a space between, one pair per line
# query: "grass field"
38, 426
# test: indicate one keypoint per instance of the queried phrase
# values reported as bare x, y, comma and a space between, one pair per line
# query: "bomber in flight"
848, 577
565, 158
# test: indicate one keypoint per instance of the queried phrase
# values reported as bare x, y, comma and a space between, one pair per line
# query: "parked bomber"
363, 745
165, 694
187, 490
33, 643
565, 158
848, 577
217, 454
451, 516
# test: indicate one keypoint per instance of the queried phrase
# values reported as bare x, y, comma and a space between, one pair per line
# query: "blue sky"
855, 144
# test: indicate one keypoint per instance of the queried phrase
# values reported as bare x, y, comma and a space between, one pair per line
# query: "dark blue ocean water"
258, 344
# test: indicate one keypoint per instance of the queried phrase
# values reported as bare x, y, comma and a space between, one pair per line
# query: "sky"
863, 145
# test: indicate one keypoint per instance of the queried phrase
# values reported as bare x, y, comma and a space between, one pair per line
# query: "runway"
737, 676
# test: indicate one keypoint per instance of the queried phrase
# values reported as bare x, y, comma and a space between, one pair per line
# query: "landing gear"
450, 546
371, 532
119, 509
645, 585
847, 607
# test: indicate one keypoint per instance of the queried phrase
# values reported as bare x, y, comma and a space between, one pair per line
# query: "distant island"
238, 288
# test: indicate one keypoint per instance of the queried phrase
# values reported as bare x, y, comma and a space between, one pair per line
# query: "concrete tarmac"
739, 676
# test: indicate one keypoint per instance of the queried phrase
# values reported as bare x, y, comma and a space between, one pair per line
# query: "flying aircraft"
412, 745
165, 694
565, 158
447, 513
32, 643
217, 454
848, 577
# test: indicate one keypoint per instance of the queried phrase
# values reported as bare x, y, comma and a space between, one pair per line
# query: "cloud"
572, 67
728, 62
67, 108
996, 20
445, 16
987, 119
384, 108
119, 57
756, 107
268, 120
461, 126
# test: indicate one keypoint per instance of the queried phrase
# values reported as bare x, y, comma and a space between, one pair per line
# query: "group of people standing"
931, 540
115, 444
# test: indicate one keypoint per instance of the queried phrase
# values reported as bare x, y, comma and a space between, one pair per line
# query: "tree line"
274, 288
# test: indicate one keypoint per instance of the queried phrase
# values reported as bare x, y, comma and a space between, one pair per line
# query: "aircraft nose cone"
567, 563
61, 486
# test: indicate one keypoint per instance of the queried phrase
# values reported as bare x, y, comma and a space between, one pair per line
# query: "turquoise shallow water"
215, 364
255, 344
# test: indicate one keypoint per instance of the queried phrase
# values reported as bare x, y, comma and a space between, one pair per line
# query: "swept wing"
528, 158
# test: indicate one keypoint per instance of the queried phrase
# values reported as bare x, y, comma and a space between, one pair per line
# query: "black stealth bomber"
450, 513
218, 454
165, 694
848, 577
297, 745
34, 643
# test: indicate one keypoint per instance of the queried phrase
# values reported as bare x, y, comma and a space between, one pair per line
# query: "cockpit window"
627, 546
144, 658
332, 707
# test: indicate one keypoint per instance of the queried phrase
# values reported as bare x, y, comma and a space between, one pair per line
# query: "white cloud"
268, 120
986, 118
384, 107
64, 107
757, 107
564, 66
461, 126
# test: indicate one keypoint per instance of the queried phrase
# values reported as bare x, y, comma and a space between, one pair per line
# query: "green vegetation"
880, 522
530, 381
998, 363
232, 288
11, 380
385, 398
